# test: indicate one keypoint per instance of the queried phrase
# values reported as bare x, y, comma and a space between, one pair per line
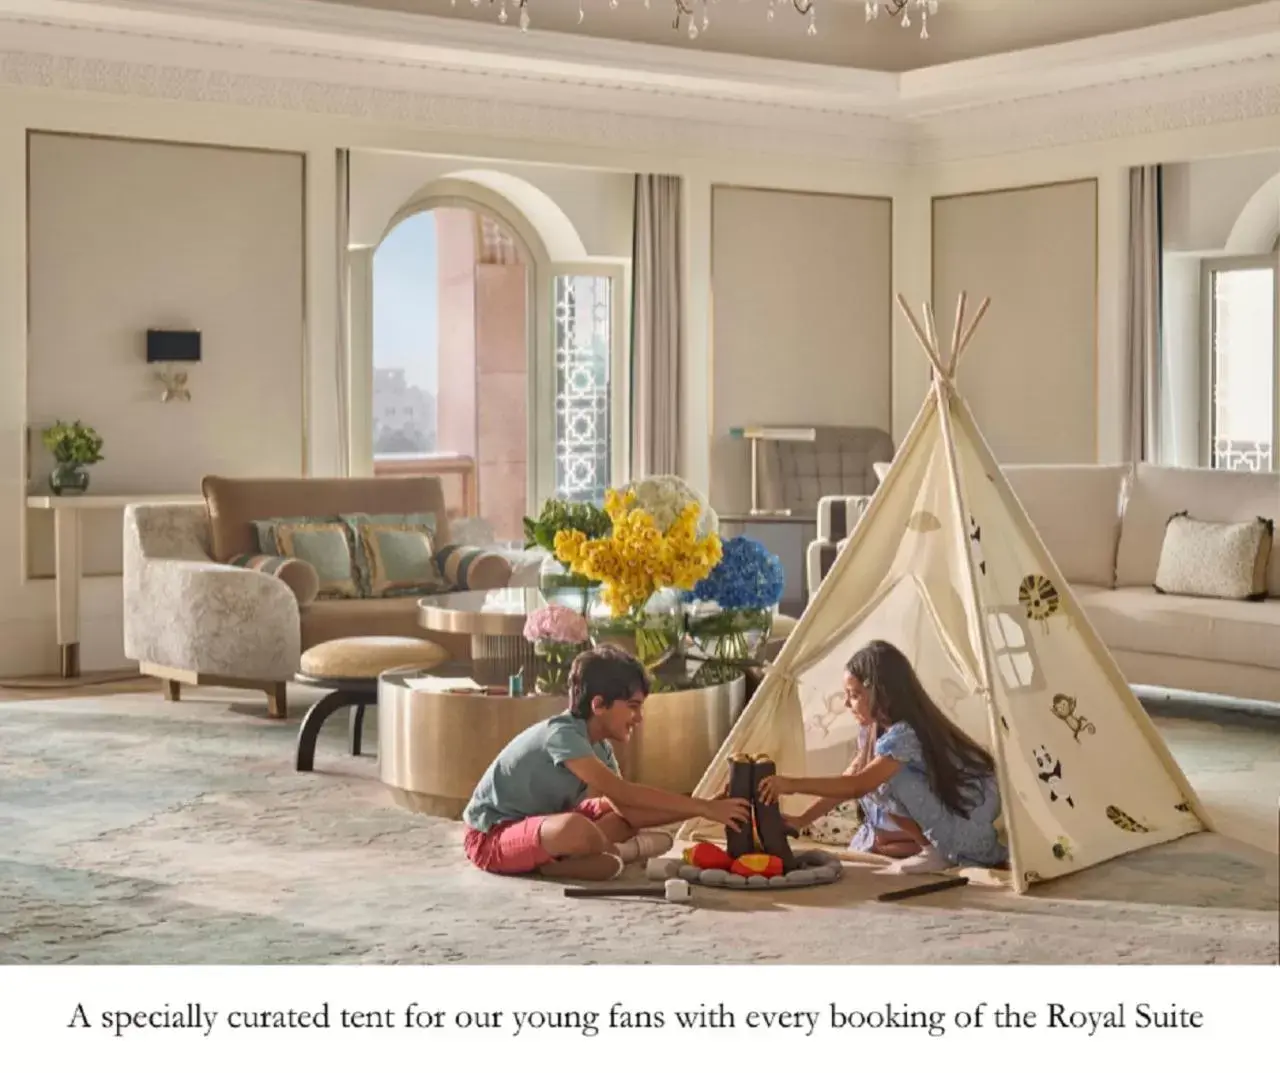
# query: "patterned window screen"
584, 343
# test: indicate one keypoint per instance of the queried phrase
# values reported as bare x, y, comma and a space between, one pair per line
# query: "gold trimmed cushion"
368, 657
325, 543
396, 554
1223, 560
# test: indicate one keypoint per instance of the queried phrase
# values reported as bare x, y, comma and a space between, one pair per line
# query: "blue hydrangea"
749, 577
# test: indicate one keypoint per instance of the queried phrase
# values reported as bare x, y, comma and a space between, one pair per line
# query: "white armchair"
837, 518
190, 619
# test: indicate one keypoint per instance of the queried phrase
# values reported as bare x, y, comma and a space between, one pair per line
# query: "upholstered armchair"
838, 515
837, 461
188, 618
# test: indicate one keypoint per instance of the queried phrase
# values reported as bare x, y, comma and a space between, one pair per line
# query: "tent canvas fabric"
946, 565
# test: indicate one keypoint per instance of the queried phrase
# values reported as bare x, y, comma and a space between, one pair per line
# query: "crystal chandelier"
695, 15
894, 8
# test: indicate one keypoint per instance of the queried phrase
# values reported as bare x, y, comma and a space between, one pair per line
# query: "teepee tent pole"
964, 341
956, 329
920, 336
931, 327
985, 662
1093, 642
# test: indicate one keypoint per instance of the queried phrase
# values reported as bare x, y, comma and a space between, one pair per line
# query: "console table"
66, 560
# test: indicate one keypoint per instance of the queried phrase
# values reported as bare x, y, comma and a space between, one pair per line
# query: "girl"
926, 787
876, 832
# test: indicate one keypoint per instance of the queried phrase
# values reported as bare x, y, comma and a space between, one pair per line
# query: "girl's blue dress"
964, 840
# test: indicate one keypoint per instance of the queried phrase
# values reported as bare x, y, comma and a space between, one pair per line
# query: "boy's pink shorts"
515, 848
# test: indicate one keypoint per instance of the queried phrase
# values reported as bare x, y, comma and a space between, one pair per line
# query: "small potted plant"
73, 446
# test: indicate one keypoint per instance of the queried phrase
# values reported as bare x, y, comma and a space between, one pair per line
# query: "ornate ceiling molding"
485, 80
1226, 93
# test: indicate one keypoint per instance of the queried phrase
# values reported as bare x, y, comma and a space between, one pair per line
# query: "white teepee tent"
946, 565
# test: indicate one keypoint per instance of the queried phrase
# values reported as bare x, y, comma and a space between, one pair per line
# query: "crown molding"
1184, 100
448, 75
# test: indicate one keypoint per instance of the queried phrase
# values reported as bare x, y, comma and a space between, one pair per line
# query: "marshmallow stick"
674, 890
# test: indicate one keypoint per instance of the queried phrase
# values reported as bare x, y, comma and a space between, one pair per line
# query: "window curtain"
1146, 257
343, 341
656, 319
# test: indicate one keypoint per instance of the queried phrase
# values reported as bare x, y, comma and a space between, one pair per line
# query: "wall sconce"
165, 350
756, 433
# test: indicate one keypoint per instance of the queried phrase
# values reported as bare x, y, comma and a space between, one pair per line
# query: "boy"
553, 801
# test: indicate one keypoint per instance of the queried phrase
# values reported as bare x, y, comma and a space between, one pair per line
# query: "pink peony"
556, 623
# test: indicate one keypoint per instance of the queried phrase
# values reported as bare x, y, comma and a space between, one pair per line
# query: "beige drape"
656, 318
1143, 355
343, 371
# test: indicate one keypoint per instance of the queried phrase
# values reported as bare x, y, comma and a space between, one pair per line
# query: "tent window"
1012, 650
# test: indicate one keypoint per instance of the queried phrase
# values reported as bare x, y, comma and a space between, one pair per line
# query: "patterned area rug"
134, 831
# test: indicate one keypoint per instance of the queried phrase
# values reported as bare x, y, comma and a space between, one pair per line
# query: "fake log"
770, 825
741, 785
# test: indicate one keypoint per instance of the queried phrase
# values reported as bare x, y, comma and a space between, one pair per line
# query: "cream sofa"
190, 618
1104, 526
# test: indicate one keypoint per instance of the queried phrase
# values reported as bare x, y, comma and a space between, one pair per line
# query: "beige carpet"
137, 831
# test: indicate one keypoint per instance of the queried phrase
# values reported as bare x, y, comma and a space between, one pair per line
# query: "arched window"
451, 360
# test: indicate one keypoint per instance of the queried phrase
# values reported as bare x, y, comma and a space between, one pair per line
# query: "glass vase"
554, 659
69, 479
559, 585
726, 639
651, 631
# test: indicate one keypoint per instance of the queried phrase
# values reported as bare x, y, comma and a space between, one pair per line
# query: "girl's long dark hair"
954, 760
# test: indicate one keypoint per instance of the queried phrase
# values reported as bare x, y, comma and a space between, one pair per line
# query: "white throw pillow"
1226, 560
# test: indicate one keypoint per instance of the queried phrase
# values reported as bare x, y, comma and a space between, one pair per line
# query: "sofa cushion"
302, 578
1157, 493
396, 554
466, 567
1076, 511
1226, 560
1139, 619
325, 543
235, 503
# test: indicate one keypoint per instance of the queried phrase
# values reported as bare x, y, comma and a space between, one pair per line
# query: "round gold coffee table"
680, 735
434, 747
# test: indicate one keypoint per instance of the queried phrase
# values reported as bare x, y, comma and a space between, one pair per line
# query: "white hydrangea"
664, 498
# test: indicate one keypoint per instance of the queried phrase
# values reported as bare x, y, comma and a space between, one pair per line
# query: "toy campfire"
759, 848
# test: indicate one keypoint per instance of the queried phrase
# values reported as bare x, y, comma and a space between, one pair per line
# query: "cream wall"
801, 305
1182, 386
1030, 373
130, 235
1203, 199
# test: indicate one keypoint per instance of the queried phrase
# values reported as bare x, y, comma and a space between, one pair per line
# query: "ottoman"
349, 667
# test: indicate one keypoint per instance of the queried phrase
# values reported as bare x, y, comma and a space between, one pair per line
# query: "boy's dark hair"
606, 672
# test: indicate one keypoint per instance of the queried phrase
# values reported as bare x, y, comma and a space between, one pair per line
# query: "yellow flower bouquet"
643, 570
